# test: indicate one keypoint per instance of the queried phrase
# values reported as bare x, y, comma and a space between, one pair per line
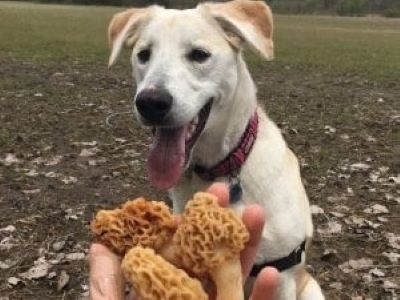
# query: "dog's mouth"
171, 148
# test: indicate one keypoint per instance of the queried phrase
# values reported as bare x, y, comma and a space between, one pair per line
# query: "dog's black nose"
154, 104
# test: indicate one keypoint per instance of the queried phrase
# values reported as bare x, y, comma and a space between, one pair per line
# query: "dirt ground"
69, 146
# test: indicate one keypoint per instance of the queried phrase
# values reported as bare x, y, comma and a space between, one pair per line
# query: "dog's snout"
154, 104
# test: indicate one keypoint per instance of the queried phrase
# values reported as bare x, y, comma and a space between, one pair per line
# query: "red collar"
230, 165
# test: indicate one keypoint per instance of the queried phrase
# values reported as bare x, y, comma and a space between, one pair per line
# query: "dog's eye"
144, 55
198, 55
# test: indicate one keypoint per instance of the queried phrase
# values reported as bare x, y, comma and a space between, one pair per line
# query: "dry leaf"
359, 167
376, 209
315, 210
62, 280
372, 224
361, 263
69, 180
75, 256
370, 138
356, 264
4, 266
332, 227
87, 152
337, 198
55, 160
336, 285
392, 256
9, 228
376, 272
40, 269
52, 175
329, 129
337, 214
120, 140
355, 220
9, 160
382, 219
389, 285
7, 243
58, 246
31, 192
395, 179
390, 197
32, 173
92, 143
393, 240
13, 280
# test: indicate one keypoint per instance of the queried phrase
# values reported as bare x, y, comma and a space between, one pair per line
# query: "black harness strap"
282, 264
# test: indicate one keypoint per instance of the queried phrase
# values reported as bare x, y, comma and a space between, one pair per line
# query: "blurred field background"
388, 8
69, 144
368, 46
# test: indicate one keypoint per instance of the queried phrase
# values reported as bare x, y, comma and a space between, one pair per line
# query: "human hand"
266, 283
106, 280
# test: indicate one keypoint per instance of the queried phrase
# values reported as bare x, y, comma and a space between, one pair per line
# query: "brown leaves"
332, 227
39, 269
358, 264
393, 240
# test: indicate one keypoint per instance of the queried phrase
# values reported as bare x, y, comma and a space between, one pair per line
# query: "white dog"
195, 90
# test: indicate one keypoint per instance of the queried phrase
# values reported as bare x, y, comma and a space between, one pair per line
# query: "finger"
220, 190
254, 219
177, 220
266, 285
105, 279
131, 296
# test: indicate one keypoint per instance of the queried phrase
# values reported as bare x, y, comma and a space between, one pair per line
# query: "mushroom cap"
137, 222
153, 277
209, 234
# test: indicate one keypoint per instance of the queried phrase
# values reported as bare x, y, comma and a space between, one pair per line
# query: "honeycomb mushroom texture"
209, 235
137, 222
153, 277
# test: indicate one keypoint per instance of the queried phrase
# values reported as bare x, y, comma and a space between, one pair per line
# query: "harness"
284, 263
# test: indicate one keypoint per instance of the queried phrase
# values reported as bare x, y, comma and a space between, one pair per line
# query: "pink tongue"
167, 157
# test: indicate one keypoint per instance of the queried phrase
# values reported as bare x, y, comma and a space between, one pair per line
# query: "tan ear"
250, 20
123, 30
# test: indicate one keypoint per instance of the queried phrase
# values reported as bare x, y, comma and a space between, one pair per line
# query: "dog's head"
185, 62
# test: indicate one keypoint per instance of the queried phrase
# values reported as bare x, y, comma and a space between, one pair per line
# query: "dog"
194, 89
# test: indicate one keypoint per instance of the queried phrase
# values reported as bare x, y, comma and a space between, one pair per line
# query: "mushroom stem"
228, 280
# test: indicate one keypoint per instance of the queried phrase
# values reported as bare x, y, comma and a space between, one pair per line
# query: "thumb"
266, 285
105, 277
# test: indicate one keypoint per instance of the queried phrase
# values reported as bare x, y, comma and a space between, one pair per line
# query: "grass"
53, 33
368, 46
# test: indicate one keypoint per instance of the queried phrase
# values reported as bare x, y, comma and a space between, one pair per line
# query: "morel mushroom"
153, 277
210, 239
137, 223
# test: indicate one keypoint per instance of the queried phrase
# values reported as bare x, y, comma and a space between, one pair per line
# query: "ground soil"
344, 129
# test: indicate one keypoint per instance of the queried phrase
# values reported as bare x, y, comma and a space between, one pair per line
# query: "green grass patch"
367, 46
54, 33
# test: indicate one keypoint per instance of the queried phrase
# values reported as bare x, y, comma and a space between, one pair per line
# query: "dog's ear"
123, 29
250, 21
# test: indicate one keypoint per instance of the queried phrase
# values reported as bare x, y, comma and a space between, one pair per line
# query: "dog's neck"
226, 126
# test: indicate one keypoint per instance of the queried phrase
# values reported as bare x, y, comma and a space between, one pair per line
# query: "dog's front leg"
287, 285
286, 290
